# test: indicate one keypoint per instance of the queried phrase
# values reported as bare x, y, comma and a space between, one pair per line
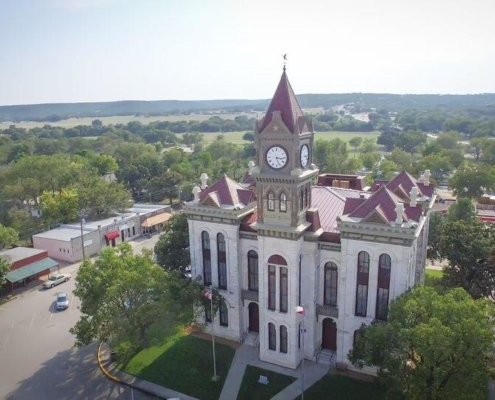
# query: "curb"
105, 372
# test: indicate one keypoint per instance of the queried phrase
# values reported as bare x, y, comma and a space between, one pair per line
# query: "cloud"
80, 5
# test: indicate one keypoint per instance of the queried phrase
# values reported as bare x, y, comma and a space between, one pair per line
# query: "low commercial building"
27, 264
65, 242
152, 216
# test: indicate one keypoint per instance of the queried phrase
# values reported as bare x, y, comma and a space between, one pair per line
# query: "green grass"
432, 277
337, 387
251, 389
183, 363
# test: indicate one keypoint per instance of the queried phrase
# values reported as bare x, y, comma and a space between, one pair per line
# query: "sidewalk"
110, 370
247, 355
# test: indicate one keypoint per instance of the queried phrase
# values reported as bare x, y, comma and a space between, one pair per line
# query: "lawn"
251, 389
338, 387
183, 363
432, 276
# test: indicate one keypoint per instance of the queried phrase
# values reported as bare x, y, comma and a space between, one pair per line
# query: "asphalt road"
37, 357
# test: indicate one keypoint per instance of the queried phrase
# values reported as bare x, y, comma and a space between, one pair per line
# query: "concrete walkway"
247, 355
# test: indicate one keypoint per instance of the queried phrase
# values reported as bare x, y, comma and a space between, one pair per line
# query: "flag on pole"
300, 310
208, 293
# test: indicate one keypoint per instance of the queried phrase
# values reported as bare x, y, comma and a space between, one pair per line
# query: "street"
38, 360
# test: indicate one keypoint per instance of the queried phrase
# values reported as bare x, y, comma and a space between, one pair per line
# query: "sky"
54, 51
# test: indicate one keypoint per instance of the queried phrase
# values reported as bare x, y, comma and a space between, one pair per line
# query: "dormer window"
271, 201
283, 202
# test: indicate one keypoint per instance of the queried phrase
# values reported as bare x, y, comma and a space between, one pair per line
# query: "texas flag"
208, 293
300, 310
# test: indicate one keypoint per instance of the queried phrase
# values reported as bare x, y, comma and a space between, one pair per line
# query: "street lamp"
82, 214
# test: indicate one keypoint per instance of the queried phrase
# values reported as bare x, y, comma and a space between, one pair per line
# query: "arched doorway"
329, 334
254, 317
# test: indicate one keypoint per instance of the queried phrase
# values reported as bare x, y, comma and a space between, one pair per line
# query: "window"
299, 337
306, 197
283, 339
301, 199
284, 290
128, 232
362, 284
253, 271
331, 283
222, 262
272, 337
224, 314
271, 201
382, 295
283, 202
207, 312
133, 231
272, 281
205, 243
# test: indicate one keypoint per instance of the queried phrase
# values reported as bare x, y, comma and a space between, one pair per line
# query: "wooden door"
329, 334
254, 317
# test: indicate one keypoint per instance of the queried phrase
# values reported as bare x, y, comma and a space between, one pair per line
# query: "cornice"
196, 209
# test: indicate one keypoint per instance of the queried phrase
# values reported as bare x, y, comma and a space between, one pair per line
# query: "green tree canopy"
8, 237
472, 180
172, 249
432, 347
4, 269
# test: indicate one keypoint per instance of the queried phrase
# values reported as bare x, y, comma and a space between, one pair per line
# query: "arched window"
253, 270
224, 314
272, 282
205, 243
306, 197
271, 201
383, 289
207, 312
301, 199
283, 339
284, 290
272, 337
283, 202
363, 268
331, 283
222, 262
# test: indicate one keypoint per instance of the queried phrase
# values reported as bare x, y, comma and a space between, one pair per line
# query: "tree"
356, 142
439, 166
8, 237
402, 159
172, 249
462, 210
436, 222
4, 269
432, 347
59, 207
248, 136
478, 143
468, 246
369, 159
410, 141
125, 295
472, 180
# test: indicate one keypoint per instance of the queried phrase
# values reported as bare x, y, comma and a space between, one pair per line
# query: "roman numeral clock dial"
276, 157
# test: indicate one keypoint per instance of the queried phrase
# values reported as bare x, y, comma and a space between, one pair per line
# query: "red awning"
112, 235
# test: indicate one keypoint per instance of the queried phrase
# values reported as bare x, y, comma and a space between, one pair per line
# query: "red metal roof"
383, 198
226, 192
285, 101
329, 205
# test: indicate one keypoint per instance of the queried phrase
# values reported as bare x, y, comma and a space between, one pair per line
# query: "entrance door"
329, 334
254, 317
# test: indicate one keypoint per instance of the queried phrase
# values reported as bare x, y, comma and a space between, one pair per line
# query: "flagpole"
302, 362
215, 376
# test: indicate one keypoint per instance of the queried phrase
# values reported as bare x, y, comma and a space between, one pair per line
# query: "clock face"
304, 155
276, 157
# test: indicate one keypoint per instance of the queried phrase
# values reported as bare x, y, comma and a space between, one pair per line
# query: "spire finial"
285, 60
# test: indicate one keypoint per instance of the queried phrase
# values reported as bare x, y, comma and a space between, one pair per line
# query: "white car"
56, 280
62, 301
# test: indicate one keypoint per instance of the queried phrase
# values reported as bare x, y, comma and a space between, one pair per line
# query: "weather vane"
285, 60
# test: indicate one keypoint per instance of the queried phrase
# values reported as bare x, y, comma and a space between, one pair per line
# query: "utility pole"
82, 215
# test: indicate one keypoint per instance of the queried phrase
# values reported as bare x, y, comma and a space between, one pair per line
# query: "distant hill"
391, 102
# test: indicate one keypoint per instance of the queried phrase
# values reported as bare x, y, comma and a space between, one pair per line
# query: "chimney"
251, 166
204, 180
414, 196
196, 191
399, 209
427, 177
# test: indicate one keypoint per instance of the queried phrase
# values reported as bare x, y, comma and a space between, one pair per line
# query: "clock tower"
284, 176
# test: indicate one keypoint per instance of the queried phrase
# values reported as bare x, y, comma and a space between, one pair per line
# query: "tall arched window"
284, 289
272, 289
283, 202
301, 199
306, 197
363, 268
205, 243
383, 290
253, 270
331, 284
272, 337
224, 314
222, 262
271, 201
283, 339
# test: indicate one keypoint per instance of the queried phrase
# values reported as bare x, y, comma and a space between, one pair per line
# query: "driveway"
38, 360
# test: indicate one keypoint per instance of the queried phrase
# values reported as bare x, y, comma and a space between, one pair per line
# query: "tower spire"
285, 60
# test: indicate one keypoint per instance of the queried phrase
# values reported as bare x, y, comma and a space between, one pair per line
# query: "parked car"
56, 280
62, 301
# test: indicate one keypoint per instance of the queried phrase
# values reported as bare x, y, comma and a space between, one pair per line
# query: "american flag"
208, 293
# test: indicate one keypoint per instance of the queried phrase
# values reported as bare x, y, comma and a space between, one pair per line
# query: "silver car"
62, 301
55, 280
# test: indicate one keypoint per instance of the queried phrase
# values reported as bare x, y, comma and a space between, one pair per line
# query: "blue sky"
106, 50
